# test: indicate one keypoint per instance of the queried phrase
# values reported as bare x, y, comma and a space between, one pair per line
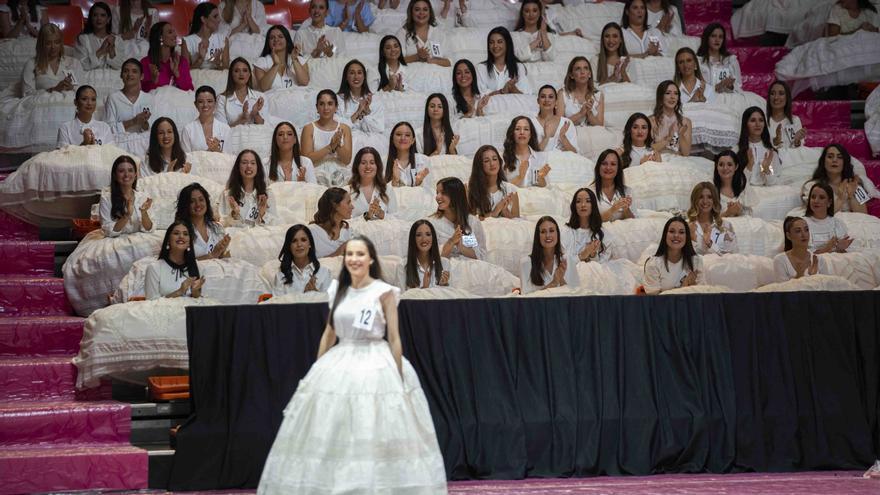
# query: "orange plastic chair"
264, 298
178, 15
69, 19
299, 10
278, 15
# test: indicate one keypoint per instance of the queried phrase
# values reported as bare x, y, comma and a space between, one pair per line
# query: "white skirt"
353, 426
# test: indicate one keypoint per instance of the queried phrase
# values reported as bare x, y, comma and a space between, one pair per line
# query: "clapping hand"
262, 206
375, 210
88, 137
234, 208
311, 285
444, 278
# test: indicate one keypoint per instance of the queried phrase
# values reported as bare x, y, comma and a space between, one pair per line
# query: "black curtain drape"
569, 386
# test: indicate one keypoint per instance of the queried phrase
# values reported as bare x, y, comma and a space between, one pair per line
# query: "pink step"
758, 82
80, 467
707, 10
823, 114
34, 258
854, 140
44, 378
64, 422
758, 59
872, 167
13, 228
40, 335
33, 297
695, 28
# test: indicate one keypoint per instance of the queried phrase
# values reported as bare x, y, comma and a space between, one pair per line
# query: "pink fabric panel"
40, 336
696, 28
758, 83
874, 207
13, 228
759, 58
31, 379
33, 258
64, 422
854, 140
707, 10
33, 297
820, 114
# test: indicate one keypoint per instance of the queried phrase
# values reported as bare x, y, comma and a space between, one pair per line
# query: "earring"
187, 250
168, 246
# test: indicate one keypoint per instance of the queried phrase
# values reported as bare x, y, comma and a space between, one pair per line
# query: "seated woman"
132, 19
392, 65
176, 273
286, 163
437, 135
465, 92
405, 166
672, 131
242, 16
732, 185
128, 110
502, 72
755, 150
327, 142
524, 165
638, 142
205, 133
422, 40
532, 22
613, 57
588, 242
300, 271
280, 65
641, 39
835, 169
20, 18
459, 233
615, 199
797, 260
711, 233
358, 108
194, 207
329, 226
96, 45
164, 65
50, 70
721, 66
164, 154
689, 78
424, 268
785, 127
240, 104
489, 193
205, 47
664, 17
554, 132
675, 264
849, 16
315, 37
547, 266
84, 129
370, 195
827, 233
578, 99
124, 210
245, 202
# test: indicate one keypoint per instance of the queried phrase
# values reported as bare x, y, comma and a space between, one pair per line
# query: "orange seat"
278, 15
299, 9
69, 20
178, 15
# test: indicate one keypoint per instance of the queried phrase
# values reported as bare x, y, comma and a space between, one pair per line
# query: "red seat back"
178, 15
69, 19
278, 15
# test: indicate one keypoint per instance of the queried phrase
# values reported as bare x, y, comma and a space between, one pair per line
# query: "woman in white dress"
533, 23
423, 266
502, 72
638, 142
132, 19
437, 135
210, 239
797, 260
176, 272
755, 149
489, 193
465, 91
315, 37
587, 241
300, 271
730, 180
392, 65
374, 433
123, 209
459, 233
281, 65
329, 226
164, 154
205, 133
240, 103
406, 167
579, 100
286, 162
670, 128
20, 18
84, 129
422, 40
357, 107
835, 169
828, 234
664, 17
849, 16
205, 47
245, 202
613, 57
128, 110
710, 232
50, 70
372, 198
615, 200
721, 66
675, 264
96, 46
785, 127
641, 39
523, 164
327, 142
242, 16
554, 132
689, 78
548, 265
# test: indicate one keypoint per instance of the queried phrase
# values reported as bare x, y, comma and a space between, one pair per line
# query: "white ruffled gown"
353, 426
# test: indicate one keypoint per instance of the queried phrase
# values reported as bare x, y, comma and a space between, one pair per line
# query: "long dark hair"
509, 157
848, 172
624, 21
327, 204
454, 189
345, 89
602, 62
235, 184
537, 255
392, 151
619, 184
478, 195
461, 105
286, 258
658, 104
521, 22
703, 51
739, 181
742, 153
787, 108
184, 203
125, 13
412, 255
230, 84
510, 60
203, 9
830, 192
687, 252
786, 228
344, 280
430, 144
154, 155
267, 50
383, 62
117, 201
189, 256
410, 25
154, 52
626, 160
594, 221
378, 180
275, 153
89, 26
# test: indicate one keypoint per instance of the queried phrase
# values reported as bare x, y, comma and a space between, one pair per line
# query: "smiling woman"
84, 129
123, 209
245, 202
675, 264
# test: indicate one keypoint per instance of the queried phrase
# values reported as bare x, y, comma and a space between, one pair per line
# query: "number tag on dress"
363, 320
861, 195
723, 74
469, 240
790, 132
435, 49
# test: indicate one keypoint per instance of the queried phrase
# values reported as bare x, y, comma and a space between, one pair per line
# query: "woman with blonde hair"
50, 70
709, 231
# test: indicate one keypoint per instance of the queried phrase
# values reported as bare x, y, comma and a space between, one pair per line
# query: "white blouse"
282, 81
716, 70
86, 50
533, 165
444, 267
374, 122
503, 190
476, 239
35, 23
249, 210
746, 199
659, 278
436, 43
118, 108
576, 240
409, 171
324, 245
524, 51
606, 203
192, 137
203, 246
258, 13
526, 286
216, 44
785, 271
300, 278
555, 143
304, 162
307, 36
839, 16
572, 106
821, 231
134, 223
162, 279
687, 96
229, 108
638, 46
71, 132
637, 153
723, 239
789, 129
144, 169
493, 79
31, 82
756, 178
361, 203
142, 33
655, 17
